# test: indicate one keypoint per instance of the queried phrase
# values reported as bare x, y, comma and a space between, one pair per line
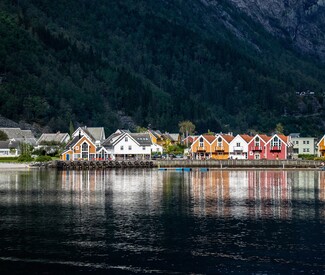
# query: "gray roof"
9, 144
109, 141
20, 135
295, 135
142, 138
172, 137
53, 137
96, 133
72, 142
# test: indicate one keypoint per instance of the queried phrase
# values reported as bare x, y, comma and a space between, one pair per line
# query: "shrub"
43, 158
25, 158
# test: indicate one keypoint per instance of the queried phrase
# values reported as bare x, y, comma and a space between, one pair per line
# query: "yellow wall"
321, 147
220, 154
196, 143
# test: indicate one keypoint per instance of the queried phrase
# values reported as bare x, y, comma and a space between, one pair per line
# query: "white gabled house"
238, 147
126, 145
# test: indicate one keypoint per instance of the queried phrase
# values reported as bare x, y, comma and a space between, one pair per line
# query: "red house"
257, 147
277, 147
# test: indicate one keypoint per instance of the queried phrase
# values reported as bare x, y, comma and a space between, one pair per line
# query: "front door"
68, 157
257, 156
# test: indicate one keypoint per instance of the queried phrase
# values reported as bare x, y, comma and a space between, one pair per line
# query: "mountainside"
126, 63
300, 22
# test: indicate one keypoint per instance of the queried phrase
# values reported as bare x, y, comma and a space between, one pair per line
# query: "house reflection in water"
210, 193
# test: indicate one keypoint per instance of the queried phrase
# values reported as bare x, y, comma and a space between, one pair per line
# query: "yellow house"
80, 148
201, 147
220, 146
156, 137
321, 147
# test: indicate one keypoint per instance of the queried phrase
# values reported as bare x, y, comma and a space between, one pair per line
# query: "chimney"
79, 134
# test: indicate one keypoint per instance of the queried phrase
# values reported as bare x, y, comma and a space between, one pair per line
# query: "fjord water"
141, 221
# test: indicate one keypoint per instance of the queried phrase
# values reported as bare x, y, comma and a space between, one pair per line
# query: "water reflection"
144, 220
252, 193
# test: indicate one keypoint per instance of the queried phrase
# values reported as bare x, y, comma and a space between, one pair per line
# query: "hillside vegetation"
156, 62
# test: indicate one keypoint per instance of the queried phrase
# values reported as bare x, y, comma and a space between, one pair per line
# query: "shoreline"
14, 166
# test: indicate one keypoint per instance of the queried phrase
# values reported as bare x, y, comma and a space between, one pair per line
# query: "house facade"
80, 148
303, 145
277, 147
9, 148
321, 147
238, 147
19, 135
220, 147
257, 147
201, 148
126, 145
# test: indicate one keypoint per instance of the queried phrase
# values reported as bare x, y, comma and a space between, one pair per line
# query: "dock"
182, 165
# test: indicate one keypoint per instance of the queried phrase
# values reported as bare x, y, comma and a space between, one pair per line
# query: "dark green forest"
158, 62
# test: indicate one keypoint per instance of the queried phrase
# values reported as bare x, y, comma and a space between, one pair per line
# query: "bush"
43, 158
25, 158
307, 156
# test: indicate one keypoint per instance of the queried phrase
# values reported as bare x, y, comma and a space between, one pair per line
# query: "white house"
128, 145
9, 148
238, 147
155, 148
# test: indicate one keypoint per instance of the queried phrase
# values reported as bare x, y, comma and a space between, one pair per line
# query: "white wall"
135, 148
233, 145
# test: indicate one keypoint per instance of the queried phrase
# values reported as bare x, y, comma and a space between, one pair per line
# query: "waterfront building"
303, 145
238, 147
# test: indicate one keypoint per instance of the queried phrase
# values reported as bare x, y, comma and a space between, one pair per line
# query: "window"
122, 147
144, 148
130, 147
307, 149
275, 142
297, 141
84, 150
304, 142
201, 142
219, 142
126, 139
307, 142
257, 142
238, 144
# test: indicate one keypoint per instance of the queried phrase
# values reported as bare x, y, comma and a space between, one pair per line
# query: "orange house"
321, 147
80, 148
201, 147
220, 146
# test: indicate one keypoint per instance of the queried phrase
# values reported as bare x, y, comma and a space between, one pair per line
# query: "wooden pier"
217, 164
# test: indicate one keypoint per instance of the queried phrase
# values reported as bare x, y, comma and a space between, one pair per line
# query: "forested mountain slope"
152, 62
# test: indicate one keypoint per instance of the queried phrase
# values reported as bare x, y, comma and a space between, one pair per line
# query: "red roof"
284, 138
247, 138
227, 138
264, 137
209, 138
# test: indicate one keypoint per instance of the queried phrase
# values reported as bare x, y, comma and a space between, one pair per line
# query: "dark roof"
109, 141
73, 142
142, 138
9, 144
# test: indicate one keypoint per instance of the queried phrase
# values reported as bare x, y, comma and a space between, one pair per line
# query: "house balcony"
201, 149
275, 148
322, 149
238, 149
219, 149
256, 148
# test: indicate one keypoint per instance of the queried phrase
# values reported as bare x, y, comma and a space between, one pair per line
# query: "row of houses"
91, 143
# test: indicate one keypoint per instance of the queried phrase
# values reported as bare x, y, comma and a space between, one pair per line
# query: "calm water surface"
149, 221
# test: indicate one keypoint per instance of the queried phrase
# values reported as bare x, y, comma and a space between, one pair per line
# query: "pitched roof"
284, 138
96, 133
17, 133
209, 138
53, 137
142, 138
9, 144
247, 138
264, 137
227, 138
